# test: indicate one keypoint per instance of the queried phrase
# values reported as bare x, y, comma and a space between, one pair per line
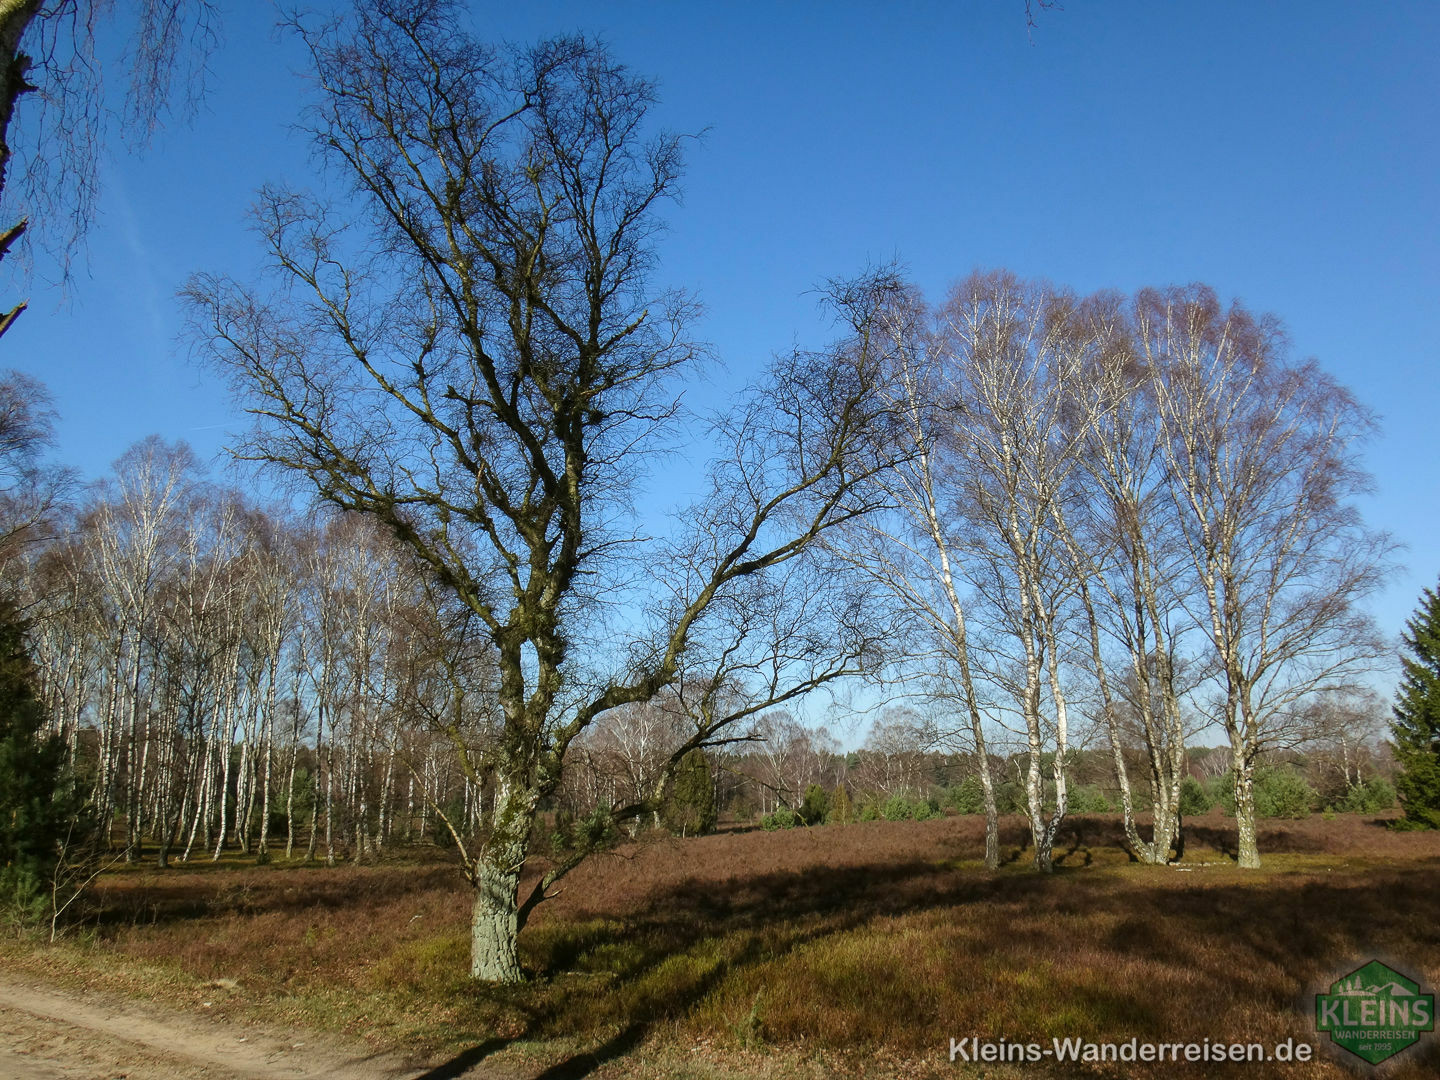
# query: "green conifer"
38, 804
690, 808
1416, 727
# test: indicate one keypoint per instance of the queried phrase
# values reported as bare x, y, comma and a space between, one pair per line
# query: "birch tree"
480, 365
136, 523
32, 493
1131, 573
916, 551
48, 57
1015, 376
1262, 465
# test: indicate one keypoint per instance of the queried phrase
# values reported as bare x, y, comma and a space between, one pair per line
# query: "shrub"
690, 804
815, 805
1280, 792
1369, 797
842, 811
966, 797
1195, 798
454, 812
1088, 799
1010, 797
1222, 792
869, 811
906, 808
782, 818
596, 830
40, 806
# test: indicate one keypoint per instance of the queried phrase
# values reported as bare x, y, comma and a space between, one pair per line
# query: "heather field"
843, 950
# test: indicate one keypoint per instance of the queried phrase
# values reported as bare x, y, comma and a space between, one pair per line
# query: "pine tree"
1417, 717
38, 804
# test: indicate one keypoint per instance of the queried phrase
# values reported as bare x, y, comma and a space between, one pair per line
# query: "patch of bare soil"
45, 1035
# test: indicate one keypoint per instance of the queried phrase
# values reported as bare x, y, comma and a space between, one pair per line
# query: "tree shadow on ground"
641, 952
1241, 945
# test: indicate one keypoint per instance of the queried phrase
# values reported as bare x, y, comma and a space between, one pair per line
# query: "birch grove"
228, 676
1128, 520
1097, 519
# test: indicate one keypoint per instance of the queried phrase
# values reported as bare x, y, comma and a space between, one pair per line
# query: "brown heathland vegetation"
859, 949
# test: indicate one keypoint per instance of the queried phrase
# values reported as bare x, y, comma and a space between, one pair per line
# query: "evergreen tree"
690, 808
38, 804
815, 805
1417, 717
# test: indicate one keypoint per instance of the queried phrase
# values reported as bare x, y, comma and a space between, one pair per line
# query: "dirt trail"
45, 1035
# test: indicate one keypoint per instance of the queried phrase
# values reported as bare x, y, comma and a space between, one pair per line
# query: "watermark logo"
1375, 1012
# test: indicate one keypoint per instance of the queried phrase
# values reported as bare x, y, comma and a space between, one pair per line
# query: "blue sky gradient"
1284, 153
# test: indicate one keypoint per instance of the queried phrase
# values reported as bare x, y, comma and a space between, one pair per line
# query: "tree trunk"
1249, 848
227, 745
202, 802
244, 794
132, 771
290, 799
1035, 806
494, 926
330, 802
992, 814
268, 731
495, 921
315, 783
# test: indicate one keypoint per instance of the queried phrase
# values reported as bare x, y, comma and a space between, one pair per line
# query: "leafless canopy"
31, 492
53, 89
466, 346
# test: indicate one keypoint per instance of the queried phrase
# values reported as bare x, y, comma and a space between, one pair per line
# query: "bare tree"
32, 493
1131, 569
1343, 732
135, 521
635, 742
1015, 373
195, 652
788, 756
480, 366
47, 52
1262, 464
916, 552
892, 761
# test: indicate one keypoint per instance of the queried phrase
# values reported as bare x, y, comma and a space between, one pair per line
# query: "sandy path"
45, 1035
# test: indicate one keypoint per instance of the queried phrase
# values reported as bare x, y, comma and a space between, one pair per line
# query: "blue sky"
1284, 153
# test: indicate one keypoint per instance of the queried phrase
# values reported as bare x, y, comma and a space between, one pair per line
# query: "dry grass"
850, 949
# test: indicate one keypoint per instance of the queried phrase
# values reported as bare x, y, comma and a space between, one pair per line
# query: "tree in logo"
1375, 1012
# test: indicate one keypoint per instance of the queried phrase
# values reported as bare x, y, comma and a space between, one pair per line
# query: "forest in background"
227, 673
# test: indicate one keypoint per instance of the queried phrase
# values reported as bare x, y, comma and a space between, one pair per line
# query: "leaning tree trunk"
972, 707
1060, 763
227, 745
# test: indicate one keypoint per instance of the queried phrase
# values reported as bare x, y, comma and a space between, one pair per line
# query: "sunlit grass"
882, 941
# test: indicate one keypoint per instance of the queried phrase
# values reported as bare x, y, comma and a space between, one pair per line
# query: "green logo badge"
1375, 1012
